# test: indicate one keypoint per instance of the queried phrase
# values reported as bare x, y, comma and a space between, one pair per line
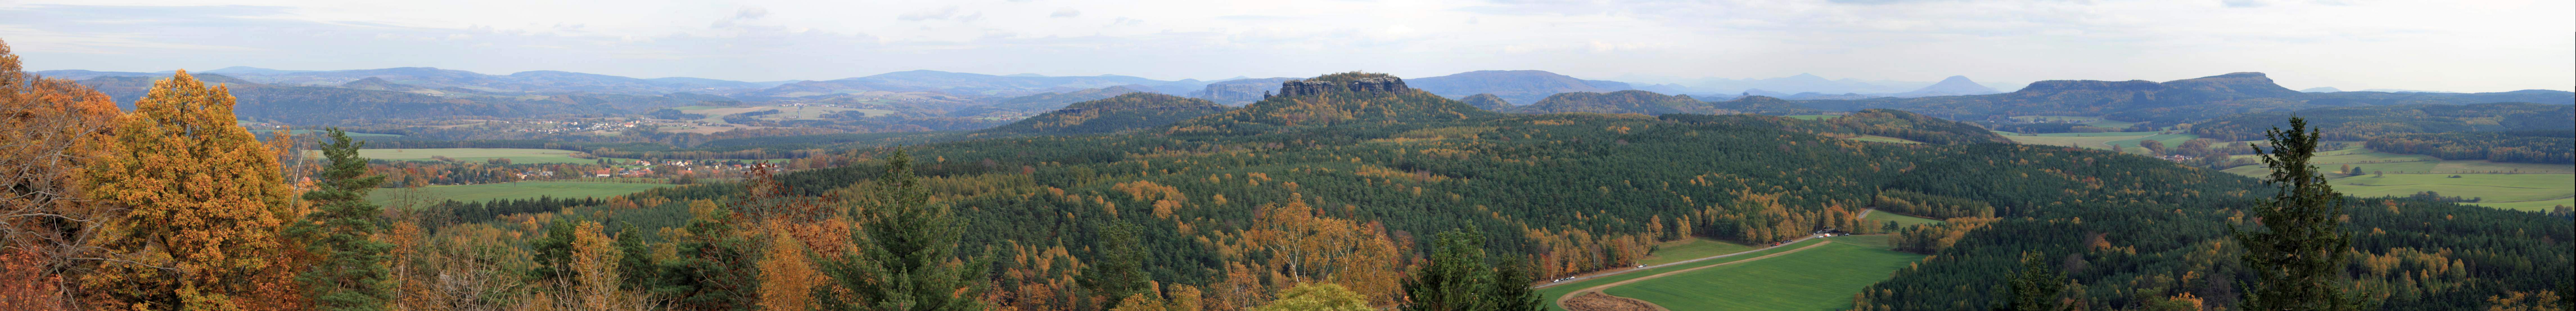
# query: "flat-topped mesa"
1362, 85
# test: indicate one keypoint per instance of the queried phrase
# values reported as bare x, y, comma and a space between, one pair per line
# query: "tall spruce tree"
351, 274
715, 269
2298, 257
1459, 276
1120, 268
2035, 288
906, 254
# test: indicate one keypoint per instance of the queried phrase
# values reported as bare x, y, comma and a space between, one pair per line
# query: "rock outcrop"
1237, 91
1361, 85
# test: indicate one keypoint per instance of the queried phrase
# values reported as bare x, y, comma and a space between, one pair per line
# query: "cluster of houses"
645, 168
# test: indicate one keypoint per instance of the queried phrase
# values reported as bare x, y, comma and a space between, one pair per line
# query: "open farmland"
1688, 249
2492, 189
1882, 217
516, 156
516, 190
2100, 140
2517, 186
1820, 279
1557, 291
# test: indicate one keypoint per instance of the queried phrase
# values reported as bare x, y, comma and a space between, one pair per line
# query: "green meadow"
518, 156
1882, 217
516, 190
1552, 293
1693, 248
1820, 279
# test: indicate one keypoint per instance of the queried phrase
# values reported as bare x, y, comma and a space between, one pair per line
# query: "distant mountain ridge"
426, 78
1525, 86
2170, 101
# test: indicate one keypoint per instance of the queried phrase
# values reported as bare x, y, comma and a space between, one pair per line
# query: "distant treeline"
2529, 146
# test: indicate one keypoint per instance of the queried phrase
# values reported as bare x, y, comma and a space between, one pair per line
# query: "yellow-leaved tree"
203, 204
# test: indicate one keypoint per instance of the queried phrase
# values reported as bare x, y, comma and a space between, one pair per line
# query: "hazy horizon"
2350, 45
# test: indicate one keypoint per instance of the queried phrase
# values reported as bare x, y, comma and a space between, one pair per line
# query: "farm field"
517, 190
1693, 248
1818, 279
2100, 140
2490, 188
2088, 121
1884, 139
517, 156
1812, 116
1882, 217
716, 114
317, 133
2517, 186
1552, 293
2169, 140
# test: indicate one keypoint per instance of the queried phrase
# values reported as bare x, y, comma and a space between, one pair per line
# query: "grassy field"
1552, 293
518, 156
2505, 189
517, 190
2169, 140
1687, 249
1884, 139
1881, 217
1820, 279
2088, 121
2100, 140
2517, 186
317, 133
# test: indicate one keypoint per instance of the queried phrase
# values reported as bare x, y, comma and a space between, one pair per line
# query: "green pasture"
2516, 186
2169, 140
516, 190
1820, 279
318, 133
2489, 188
1884, 139
1880, 218
2542, 205
1552, 293
516, 156
1669, 252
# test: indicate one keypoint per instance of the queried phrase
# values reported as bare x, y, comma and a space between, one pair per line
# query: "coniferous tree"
906, 255
351, 273
715, 268
1511, 289
1121, 268
2298, 258
2035, 288
1455, 278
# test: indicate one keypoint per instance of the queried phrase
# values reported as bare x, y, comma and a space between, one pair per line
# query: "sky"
2465, 46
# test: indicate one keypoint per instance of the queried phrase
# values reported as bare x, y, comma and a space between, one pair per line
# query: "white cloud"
2351, 44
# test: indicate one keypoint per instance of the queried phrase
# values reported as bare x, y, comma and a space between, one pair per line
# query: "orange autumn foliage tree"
1311, 248
43, 227
203, 204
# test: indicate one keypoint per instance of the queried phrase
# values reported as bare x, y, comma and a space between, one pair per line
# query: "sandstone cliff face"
1238, 92
1362, 85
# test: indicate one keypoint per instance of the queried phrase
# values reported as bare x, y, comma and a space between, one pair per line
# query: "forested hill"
1487, 101
1336, 106
2363, 123
1629, 101
1129, 111
1249, 199
316, 105
2168, 102
1758, 104
1577, 192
